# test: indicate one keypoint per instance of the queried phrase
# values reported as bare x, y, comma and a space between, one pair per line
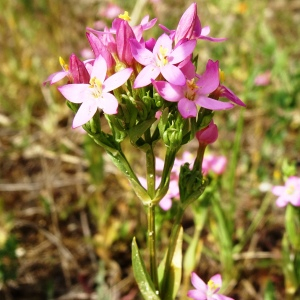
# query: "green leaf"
137, 131
141, 275
175, 272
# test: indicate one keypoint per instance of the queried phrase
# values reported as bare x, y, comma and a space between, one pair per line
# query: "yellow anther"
290, 190
212, 285
162, 56
192, 84
191, 89
163, 51
221, 76
63, 64
125, 16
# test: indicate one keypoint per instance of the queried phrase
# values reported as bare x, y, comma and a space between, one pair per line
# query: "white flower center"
97, 86
162, 59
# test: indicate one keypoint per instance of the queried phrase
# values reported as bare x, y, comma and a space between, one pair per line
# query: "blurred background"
67, 216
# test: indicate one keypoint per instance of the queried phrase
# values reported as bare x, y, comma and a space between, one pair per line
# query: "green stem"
165, 178
150, 166
171, 249
199, 159
151, 244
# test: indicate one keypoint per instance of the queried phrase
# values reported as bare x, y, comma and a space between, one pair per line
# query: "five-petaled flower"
161, 61
196, 91
96, 94
207, 291
289, 193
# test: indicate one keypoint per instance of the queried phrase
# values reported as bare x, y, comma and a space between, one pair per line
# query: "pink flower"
195, 92
124, 34
75, 71
100, 49
143, 26
173, 192
60, 74
263, 79
111, 11
189, 27
289, 193
161, 61
207, 291
96, 94
208, 135
216, 164
187, 23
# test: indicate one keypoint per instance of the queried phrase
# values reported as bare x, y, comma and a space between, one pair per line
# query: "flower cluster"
146, 91
127, 66
289, 193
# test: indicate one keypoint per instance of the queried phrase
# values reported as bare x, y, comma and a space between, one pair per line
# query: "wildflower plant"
149, 91
289, 198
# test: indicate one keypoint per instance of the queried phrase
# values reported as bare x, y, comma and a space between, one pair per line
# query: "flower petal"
278, 190
187, 108
85, 112
116, 80
217, 280
165, 203
163, 41
210, 80
227, 93
140, 53
55, 77
282, 201
76, 93
197, 295
182, 51
198, 283
99, 69
213, 104
173, 74
145, 76
108, 103
168, 91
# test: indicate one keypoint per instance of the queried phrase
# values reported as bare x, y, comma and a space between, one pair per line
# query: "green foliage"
141, 275
8, 259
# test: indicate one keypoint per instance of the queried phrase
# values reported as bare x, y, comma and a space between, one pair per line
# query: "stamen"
63, 64
290, 190
221, 76
212, 285
162, 56
125, 16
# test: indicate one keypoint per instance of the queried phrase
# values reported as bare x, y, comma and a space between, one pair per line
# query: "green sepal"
141, 275
73, 106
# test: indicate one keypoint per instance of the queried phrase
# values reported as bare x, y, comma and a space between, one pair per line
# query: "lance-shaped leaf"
137, 131
141, 275
172, 283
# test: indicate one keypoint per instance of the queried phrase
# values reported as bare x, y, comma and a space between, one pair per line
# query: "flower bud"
123, 35
208, 135
78, 70
99, 49
186, 24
